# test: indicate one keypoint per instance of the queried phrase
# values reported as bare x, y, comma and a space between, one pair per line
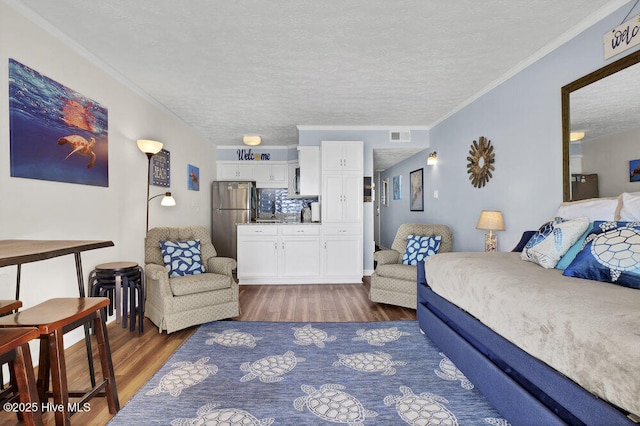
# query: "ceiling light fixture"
576, 136
252, 140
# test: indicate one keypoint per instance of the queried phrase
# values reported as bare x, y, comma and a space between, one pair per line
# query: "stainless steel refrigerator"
232, 203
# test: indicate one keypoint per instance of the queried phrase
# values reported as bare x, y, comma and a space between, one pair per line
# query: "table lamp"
490, 220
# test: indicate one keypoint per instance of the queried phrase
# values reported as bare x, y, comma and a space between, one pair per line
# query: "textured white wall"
36, 209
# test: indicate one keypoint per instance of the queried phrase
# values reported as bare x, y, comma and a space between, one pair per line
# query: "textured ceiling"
230, 68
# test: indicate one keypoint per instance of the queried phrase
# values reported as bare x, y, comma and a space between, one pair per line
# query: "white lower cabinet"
257, 251
342, 254
278, 254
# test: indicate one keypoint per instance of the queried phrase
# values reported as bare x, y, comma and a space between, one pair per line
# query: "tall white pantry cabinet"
341, 205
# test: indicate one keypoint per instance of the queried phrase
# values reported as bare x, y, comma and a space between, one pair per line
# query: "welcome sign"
623, 37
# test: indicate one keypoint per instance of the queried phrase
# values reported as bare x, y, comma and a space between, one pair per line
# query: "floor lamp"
150, 148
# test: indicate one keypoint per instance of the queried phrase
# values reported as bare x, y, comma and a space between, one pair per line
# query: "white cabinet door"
257, 256
245, 172
271, 175
235, 171
341, 198
279, 175
342, 257
300, 256
262, 174
332, 156
342, 156
332, 198
352, 187
353, 155
309, 159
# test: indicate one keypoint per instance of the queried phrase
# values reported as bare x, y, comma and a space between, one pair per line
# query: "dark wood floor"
137, 358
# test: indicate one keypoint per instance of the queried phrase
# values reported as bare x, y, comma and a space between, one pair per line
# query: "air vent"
400, 136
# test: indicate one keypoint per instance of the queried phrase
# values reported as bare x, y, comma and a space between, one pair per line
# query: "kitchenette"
295, 219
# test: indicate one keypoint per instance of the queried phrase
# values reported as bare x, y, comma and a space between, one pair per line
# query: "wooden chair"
53, 319
14, 349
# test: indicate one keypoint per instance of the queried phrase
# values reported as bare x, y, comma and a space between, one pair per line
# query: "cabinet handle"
325, 245
283, 245
276, 245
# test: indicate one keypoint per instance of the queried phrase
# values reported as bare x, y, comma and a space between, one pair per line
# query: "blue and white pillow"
419, 248
182, 257
553, 240
611, 253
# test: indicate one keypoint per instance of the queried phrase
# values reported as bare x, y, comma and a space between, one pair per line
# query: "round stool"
123, 283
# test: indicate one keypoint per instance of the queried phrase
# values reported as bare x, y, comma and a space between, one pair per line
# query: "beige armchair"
176, 303
394, 283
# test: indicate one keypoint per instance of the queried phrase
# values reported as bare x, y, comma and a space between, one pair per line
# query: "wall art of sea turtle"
81, 146
270, 368
423, 409
185, 375
331, 404
369, 362
617, 249
309, 335
233, 337
449, 371
209, 415
380, 336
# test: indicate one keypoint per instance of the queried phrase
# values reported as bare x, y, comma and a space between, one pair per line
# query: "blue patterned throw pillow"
553, 240
419, 248
182, 257
611, 253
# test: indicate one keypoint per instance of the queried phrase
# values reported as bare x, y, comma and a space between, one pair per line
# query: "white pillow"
630, 211
553, 240
593, 208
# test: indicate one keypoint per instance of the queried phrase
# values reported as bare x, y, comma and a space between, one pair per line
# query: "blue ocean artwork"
56, 133
193, 182
634, 171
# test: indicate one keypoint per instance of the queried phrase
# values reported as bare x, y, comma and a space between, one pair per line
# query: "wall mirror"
603, 107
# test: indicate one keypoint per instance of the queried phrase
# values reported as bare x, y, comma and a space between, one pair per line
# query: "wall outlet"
435, 193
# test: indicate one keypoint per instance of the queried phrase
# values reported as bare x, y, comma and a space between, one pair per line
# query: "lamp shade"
576, 136
252, 140
168, 200
149, 146
491, 220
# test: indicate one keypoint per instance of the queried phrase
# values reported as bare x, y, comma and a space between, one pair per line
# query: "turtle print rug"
258, 373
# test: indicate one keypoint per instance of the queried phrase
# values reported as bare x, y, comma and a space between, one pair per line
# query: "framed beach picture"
56, 133
193, 178
397, 187
417, 194
634, 171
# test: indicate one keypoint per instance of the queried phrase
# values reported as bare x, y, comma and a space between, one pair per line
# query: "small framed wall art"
160, 169
193, 178
417, 194
397, 187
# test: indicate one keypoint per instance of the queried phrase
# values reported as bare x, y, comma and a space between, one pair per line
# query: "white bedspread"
587, 330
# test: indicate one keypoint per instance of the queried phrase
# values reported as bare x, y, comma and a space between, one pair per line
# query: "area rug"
257, 373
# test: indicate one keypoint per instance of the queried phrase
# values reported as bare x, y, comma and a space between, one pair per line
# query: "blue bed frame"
523, 389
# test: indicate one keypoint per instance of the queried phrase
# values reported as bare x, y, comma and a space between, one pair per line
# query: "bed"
542, 347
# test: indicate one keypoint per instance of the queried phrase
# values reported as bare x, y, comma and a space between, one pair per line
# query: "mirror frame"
566, 90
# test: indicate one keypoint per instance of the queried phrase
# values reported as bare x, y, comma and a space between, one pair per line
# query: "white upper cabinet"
271, 175
342, 156
309, 163
235, 171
